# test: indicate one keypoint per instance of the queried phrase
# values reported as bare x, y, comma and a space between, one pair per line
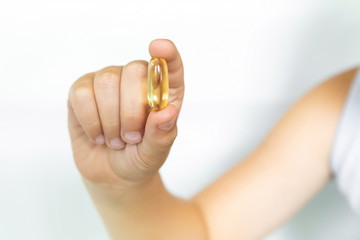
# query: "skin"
121, 174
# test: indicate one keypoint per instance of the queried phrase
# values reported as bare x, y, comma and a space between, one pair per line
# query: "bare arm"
283, 173
121, 174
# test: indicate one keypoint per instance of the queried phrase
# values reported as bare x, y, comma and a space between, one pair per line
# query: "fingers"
134, 106
111, 104
107, 95
166, 49
82, 101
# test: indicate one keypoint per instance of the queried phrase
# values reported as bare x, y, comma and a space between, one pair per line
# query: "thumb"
165, 48
160, 133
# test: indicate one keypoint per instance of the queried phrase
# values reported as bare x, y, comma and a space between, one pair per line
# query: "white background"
257, 57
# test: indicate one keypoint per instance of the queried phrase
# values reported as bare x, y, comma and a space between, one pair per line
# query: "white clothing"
345, 153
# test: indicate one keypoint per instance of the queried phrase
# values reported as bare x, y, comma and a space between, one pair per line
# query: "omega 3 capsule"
158, 83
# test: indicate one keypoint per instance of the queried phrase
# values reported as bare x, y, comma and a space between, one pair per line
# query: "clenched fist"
116, 140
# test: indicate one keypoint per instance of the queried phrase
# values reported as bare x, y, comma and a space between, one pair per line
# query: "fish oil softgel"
158, 83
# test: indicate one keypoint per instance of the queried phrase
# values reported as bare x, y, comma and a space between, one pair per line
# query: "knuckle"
81, 86
138, 67
81, 94
107, 79
85, 77
111, 68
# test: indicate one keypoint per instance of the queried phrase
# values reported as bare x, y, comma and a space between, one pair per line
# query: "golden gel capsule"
158, 83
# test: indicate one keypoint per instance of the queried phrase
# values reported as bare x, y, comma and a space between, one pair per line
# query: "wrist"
125, 191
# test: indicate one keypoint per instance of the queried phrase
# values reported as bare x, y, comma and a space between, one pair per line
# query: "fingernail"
116, 143
100, 139
133, 137
168, 125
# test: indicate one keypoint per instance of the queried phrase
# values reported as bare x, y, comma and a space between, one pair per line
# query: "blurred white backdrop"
245, 63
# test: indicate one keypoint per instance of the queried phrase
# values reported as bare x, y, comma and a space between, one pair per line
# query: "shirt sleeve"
345, 152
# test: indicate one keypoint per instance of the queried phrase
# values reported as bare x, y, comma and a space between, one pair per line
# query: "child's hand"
116, 140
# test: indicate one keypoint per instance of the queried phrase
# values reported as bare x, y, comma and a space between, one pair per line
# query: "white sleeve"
345, 152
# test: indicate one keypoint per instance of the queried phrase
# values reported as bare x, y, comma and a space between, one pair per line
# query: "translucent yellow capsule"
158, 83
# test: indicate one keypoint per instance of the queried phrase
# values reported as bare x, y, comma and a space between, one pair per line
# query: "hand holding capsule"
116, 140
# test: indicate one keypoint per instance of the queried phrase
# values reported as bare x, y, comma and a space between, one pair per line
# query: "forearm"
149, 212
